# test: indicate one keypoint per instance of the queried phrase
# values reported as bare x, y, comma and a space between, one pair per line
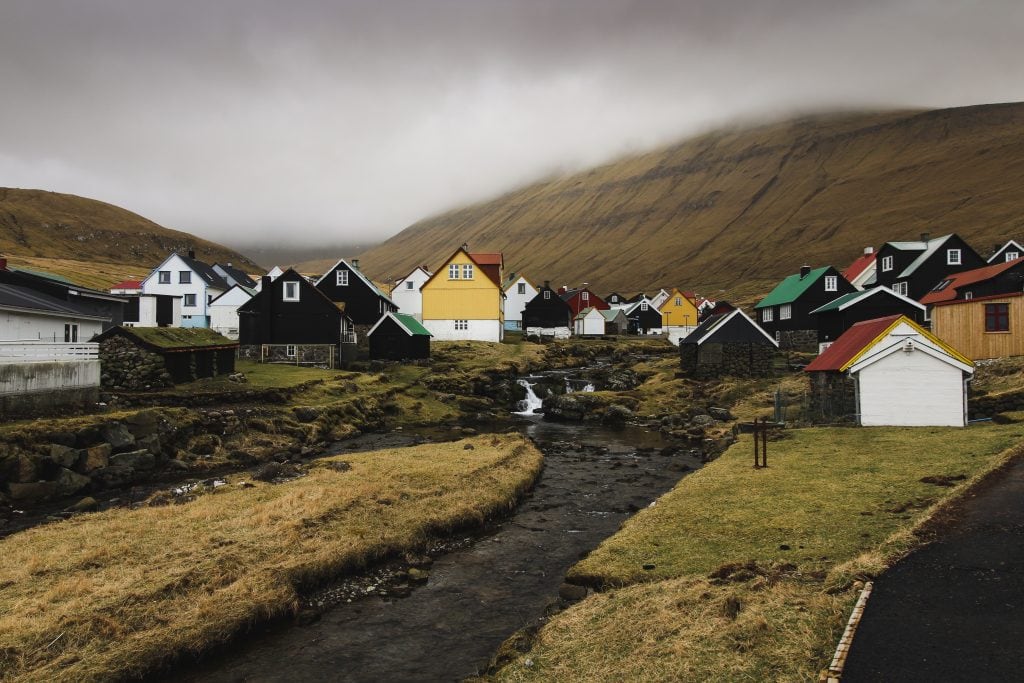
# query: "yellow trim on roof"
927, 335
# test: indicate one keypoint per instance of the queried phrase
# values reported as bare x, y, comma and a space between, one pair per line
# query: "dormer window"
831, 283
1012, 255
453, 271
953, 257
341, 278
291, 291
887, 264
467, 271
184, 277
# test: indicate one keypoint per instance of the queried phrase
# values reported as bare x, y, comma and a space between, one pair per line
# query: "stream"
484, 589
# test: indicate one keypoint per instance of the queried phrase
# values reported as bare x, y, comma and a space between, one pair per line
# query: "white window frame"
163, 277
453, 271
467, 271
292, 295
70, 333
290, 350
585, 296
461, 324
968, 296
410, 284
547, 293
831, 283
785, 311
953, 257
886, 264
521, 288
679, 301
644, 305
900, 287
341, 278
767, 314
1012, 255
184, 277
185, 301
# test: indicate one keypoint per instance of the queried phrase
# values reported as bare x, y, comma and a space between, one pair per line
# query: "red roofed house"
581, 298
464, 299
861, 273
890, 371
127, 287
1005, 277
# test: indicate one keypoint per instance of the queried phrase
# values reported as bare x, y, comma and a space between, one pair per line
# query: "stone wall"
305, 354
832, 398
717, 360
128, 366
798, 340
989, 405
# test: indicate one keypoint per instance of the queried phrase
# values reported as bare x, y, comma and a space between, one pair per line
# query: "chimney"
547, 284
192, 253
266, 308
465, 247
563, 289
229, 264
804, 271
355, 263
868, 251
925, 236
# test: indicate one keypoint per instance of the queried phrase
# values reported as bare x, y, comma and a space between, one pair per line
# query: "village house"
615, 321
364, 303
679, 310
1000, 277
151, 357
589, 322
398, 336
152, 310
463, 299
786, 312
982, 327
273, 274
127, 287
841, 314
644, 318
91, 302
581, 298
1011, 251
616, 300
913, 268
890, 372
407, 293
194, 281
727, 344
518, 291
224, 310
861, 273
290, 320
658, 299
547, 315
233, 276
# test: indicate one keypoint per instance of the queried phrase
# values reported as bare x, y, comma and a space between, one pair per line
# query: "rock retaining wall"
128, 366
832, 398
798, 340
712, 360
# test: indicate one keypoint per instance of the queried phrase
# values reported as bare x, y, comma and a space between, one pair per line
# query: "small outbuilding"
589, 321
727, 344
398, 336
890, 371
148, 357
615, 321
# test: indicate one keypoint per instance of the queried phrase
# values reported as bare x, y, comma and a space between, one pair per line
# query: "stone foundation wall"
798, 340
832, 398
305, 354
127, 366
717, 360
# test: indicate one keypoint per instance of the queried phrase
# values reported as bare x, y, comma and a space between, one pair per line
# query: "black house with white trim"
914, 268
547, 311
364, 303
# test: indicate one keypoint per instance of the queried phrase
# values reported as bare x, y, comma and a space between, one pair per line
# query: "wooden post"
764, 444
757, 459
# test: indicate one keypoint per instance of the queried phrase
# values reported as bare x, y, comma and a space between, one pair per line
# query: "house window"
184, 277
190, 301
1012, 255
467, 271
291, 291
614, 299
453, 271
521, 288
341, 278
679, 301
410, 284
953, 257
461, 324
289, 350
968, 296
887, 264
831, 283
900, 287
164, 277
644, 306
997, 317
766, 315
547, 293
585, 296
785, 311
71, 333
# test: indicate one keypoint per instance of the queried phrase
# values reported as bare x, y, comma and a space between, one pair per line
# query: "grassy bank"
743, 574
114, 594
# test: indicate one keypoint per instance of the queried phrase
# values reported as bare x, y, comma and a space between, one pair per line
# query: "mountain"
92, 242
738, 209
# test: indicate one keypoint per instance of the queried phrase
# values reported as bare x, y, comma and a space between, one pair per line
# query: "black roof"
206, 272
236, 274
726, 328
15, 296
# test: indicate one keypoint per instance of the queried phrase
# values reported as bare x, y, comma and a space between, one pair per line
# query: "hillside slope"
65, 233
737, 209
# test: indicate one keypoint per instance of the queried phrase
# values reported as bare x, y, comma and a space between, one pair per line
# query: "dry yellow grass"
113, 594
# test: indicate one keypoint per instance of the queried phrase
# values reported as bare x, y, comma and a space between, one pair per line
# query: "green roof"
835, 304
171, 338
790, 289
411, 324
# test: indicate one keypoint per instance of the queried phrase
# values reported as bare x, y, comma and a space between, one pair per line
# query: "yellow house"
463, 299
678, 311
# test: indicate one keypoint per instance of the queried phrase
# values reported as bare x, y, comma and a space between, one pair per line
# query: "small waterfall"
588, 386
529, 404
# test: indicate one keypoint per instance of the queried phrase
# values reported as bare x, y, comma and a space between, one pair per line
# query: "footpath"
953, 610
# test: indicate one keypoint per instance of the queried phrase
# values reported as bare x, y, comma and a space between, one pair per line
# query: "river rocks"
93, 458
69, 482
720, 414
21, 469
702, 420
87, 504
32, 492
418, 576
570, 592
617, 414
118, 436
114, 476
143, 424
622, 380
63, 456
564, 407
137, 460
276, 472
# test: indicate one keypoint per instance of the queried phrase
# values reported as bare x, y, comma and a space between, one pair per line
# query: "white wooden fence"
41, 351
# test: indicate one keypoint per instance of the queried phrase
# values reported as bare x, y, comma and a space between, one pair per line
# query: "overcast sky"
332, 121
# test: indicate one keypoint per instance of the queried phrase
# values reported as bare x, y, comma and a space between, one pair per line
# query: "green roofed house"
398, 336
786, 312
137, 358
839, 315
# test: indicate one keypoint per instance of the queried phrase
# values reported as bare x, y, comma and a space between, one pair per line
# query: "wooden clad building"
398, 336
984, 327
547, 314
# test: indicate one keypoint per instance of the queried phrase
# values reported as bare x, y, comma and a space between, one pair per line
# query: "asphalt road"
953, 610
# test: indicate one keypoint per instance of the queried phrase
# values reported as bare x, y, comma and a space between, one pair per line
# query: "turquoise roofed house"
399, 336
785, 313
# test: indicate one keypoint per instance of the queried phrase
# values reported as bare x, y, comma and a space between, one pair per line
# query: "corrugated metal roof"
847, 300
790, 289
947, 289
859, 266
412, 324
15, 296
851, 343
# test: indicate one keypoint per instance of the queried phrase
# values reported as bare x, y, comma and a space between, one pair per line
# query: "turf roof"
178, 337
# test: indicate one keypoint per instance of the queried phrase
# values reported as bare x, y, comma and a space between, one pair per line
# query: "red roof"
488, 259
859, 266
850, 343
968, 277
128, 284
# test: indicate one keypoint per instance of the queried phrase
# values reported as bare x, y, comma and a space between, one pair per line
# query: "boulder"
306, 413
24, 469
142, 424
32, 492
150, 443
720, 414
61, 437
63, 456
118, 436
93, 458
69, 482
205, 444
617, 414
570, 592
418, 576
87, 504
114, 476
137, 460
702, 420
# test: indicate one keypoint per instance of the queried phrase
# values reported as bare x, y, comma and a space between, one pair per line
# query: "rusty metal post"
757, 459
764, 444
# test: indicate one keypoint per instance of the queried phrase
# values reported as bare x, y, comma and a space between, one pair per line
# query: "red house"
581, 298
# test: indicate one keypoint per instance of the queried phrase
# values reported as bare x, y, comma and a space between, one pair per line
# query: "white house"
589, 321
224, 310
233, 276
902, 374
28, 315
407, 293
194, 281
273, 274
151, 310
518, 291
661, 297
